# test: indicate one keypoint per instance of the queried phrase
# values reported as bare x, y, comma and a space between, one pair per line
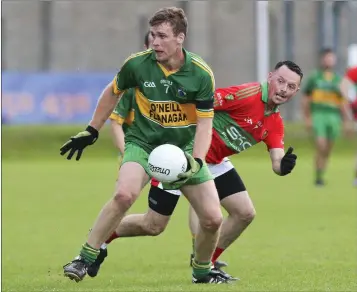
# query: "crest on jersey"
229, 97
217, 99
181, 93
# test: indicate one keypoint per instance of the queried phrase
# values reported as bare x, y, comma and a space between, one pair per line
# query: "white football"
166, 162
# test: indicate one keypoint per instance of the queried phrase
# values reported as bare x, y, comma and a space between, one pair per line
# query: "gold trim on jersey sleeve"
115, 86
117, 118
120, 120
205, 114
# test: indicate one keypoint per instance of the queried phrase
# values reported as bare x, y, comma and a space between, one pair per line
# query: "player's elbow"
276, 167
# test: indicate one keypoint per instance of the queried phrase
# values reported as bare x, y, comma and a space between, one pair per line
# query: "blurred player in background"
349, 90
323, 110
244, 116
173, 104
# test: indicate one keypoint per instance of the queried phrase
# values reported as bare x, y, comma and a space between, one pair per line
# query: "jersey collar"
185, 66
265, 95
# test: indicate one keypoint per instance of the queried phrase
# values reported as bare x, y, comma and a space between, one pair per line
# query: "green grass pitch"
303, 238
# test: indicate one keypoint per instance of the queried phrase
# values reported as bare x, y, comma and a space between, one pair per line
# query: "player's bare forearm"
346, 112
276, 155
118, 135
345, 86
203, 138
105, 106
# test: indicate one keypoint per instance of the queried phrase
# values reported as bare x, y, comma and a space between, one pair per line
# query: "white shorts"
216, 170
221, 168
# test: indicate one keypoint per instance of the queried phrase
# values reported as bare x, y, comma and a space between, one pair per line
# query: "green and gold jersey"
166, 103
124, 112
323, 88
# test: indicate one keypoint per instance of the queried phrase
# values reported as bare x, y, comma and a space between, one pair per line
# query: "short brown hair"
173, 15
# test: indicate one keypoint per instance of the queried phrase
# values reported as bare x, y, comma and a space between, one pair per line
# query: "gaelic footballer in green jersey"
166, 103
173, 104
245, 115
322, 104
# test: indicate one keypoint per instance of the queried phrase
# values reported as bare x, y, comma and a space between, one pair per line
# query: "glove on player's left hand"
288, 162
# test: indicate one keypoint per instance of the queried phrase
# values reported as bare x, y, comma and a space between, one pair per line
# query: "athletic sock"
111, 238
88, 253
218, 251
200, 270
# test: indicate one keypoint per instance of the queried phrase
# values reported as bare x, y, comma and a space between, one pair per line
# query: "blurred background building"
241, 40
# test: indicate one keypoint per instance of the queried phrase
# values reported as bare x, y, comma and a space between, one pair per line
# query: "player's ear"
180, 38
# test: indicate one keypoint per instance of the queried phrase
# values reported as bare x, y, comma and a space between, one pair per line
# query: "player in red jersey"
244, 116
349, 90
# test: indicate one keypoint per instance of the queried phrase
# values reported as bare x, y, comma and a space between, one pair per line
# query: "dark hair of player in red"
292, 66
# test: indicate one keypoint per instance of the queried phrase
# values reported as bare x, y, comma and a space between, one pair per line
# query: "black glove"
288, 162
79, 142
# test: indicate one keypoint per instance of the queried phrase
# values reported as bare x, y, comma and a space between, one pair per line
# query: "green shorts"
134, 153
326, 125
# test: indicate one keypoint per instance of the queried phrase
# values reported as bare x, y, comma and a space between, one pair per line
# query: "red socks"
112, 237
217, 253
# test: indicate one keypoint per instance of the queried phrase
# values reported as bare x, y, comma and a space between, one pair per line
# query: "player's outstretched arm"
348, 92
346, 88
282, 163
105, 106
77, 143
106, 103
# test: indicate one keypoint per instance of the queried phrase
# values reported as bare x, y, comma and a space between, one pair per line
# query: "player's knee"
154, 228
247, 215
212, 223
124, 198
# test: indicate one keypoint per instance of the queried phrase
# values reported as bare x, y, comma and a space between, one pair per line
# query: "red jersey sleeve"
352, 74
230, 97
275, 137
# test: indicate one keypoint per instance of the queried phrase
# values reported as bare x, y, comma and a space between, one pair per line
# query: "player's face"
329, 60
164, 42
283, 85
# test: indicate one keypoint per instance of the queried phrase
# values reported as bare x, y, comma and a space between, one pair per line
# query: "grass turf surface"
302, 239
